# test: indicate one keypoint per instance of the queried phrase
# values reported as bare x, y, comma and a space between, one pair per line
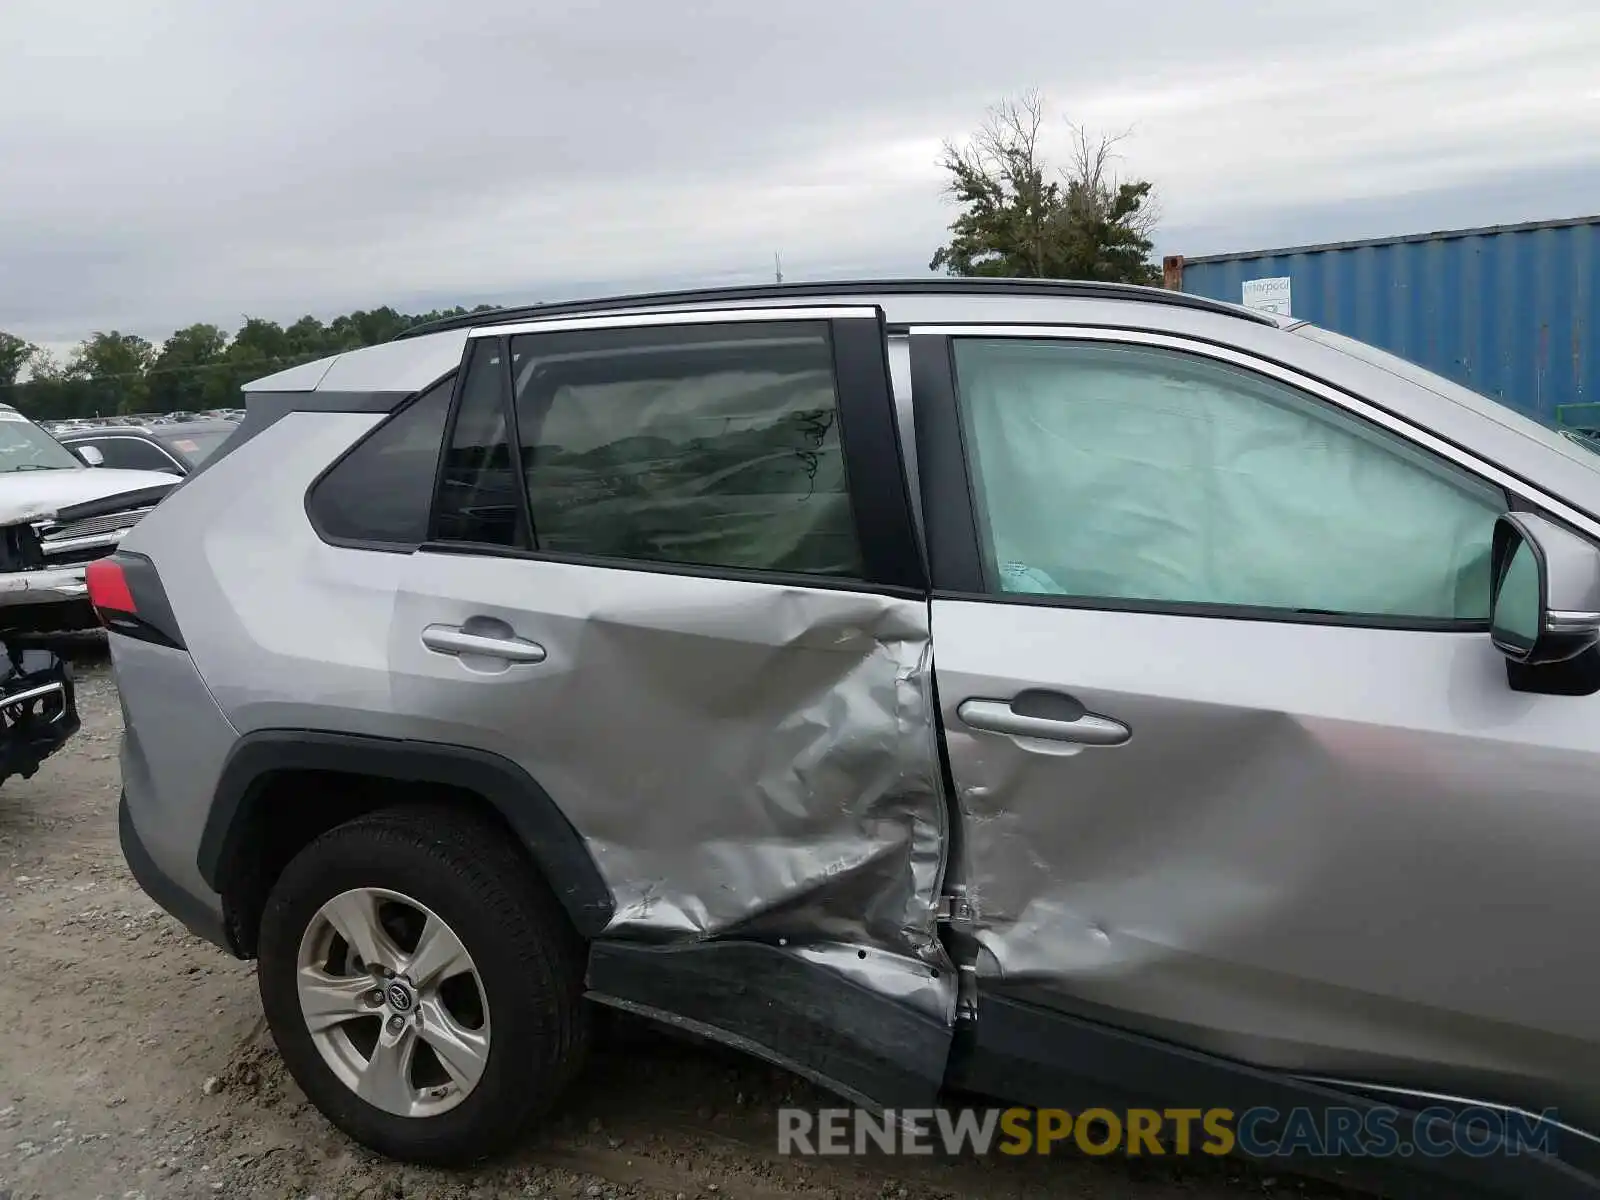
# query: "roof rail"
1059, 288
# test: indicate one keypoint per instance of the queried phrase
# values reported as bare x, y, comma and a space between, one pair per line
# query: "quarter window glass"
478, 484
712, 445
382, 490
1131, 473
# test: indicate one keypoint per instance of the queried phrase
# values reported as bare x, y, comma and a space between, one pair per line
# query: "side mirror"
91, 455
1546, 606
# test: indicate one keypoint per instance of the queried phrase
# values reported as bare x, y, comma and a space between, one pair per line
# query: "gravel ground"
135, 1066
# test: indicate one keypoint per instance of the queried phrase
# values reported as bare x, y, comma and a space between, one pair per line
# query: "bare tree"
1091, 175
1021, 218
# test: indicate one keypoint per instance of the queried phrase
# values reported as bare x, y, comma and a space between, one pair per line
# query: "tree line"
1018, 216
199, 367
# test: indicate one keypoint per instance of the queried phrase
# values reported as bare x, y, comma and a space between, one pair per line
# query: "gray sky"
170, 161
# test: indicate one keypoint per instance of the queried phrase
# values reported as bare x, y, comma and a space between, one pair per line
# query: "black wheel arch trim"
555, 846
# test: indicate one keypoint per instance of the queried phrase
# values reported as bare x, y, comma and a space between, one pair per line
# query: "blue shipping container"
1512, 311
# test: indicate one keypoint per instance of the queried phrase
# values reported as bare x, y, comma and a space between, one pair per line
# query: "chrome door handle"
997, 716
452, 639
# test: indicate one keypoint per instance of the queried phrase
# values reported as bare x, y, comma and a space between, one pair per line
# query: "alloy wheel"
393, 1002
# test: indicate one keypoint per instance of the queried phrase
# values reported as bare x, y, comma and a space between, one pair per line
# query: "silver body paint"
175, 741
1322, 879
1333, 851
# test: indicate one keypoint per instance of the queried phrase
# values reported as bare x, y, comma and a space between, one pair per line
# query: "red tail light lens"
108, 587
126, 593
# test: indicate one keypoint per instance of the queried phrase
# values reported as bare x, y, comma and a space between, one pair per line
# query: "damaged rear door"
674, 578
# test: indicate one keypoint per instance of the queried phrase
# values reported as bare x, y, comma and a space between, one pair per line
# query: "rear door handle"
452, 639
1084, 728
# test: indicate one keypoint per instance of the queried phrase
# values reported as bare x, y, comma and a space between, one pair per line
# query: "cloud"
183, 160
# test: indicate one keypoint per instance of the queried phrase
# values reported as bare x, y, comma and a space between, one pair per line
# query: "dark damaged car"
57, 515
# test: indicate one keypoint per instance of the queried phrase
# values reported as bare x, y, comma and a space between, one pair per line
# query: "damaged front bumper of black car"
44, 600
38, 706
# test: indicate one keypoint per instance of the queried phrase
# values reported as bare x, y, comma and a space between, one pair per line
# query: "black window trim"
869, 437
527, 531
526, 538
178, 457
955, 543
389, 416
828, 583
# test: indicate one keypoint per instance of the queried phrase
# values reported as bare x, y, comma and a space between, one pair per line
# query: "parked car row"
57, 428
1074, 694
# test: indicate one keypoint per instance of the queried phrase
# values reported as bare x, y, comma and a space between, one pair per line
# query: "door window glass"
134, 454
1135, 473
711, 445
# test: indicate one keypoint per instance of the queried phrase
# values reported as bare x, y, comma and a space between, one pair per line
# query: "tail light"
129, 599
108, 588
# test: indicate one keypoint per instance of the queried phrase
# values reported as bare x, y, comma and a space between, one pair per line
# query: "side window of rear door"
717, 446
709, 447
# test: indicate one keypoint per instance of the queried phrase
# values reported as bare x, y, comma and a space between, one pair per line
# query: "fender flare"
557, 848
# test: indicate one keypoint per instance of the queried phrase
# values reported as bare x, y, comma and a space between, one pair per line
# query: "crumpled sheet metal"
741, 759
1122, 877
27, 512
800, 797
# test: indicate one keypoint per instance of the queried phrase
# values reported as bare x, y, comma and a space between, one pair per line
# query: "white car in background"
58, 514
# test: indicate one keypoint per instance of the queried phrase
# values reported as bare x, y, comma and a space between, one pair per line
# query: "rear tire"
454, 875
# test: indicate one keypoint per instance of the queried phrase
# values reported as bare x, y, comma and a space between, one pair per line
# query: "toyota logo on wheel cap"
400, 997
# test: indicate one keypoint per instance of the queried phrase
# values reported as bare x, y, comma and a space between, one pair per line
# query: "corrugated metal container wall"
1511, 311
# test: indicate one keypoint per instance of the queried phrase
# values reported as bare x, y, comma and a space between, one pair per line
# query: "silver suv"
1056, 692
